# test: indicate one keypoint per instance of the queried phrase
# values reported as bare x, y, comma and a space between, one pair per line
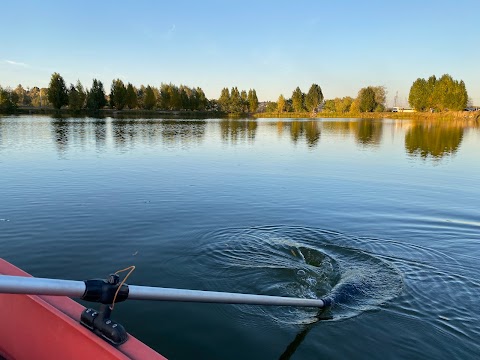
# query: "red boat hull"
47, 327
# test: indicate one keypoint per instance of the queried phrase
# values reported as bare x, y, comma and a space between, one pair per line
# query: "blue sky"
271, 46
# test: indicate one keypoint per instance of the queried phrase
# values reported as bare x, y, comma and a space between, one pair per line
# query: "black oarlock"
103, 291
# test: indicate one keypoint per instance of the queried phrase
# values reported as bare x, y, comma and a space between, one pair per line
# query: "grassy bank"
449, 115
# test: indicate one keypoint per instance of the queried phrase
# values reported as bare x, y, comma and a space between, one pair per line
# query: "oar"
94, 290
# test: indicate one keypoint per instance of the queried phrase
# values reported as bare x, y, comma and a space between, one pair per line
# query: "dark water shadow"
323, 314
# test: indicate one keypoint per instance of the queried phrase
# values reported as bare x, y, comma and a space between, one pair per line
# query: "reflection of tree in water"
337, 127
1, 133
125, 132
435, 140
79, 130
368, 132
235, 130
60, 134
183, 131
100, 132
309, 129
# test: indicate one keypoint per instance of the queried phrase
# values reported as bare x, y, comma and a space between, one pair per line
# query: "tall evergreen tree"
57, 91
224, 100
150, 100
184, 99
96, 96
314, 97
202, 101
244, 96
131, 97
175, 97
298, 100
252, 100
281, 104
164, 101
118, 94
236, 104
76, 97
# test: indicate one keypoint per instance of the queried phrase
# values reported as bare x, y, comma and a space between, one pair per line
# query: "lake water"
304, 208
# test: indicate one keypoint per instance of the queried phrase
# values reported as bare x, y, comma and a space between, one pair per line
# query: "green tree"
444, 93
76, 97
252, 100
164, 100
224, 100
118, 94
281, 104
244, 96
418, 96
175, 98
366, 98
329, 106
184, 98
271, 107
150, 100
314, 97
131, 97
22, 95
96, 96
298, 100
450, 94
380, 98
8, 101
202, 101
343, 105
35, 96
57, 91
236, 104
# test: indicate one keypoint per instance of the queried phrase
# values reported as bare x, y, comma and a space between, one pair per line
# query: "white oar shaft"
168, 294
42, 286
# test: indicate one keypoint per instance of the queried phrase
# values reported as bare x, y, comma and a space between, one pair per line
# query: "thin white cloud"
16, 63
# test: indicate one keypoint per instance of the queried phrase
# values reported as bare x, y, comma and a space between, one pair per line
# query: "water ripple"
296, 262
359, 273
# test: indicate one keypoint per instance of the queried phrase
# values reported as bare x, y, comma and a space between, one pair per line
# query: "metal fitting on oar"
103, 291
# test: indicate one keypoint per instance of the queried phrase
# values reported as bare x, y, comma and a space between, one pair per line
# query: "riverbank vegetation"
438, 94
431, 98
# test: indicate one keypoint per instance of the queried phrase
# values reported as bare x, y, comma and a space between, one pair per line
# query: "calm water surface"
388, 210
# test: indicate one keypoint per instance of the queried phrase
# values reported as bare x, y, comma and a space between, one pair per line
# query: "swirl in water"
296, 262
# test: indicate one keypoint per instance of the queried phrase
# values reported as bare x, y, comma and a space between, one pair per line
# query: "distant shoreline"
450, 115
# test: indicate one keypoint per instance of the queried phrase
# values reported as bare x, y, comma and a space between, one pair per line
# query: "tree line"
299, 102
431, 94
369, 99
440, 94
166, 97
238, 102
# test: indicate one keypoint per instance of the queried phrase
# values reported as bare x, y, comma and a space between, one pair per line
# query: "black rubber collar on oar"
103, 291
